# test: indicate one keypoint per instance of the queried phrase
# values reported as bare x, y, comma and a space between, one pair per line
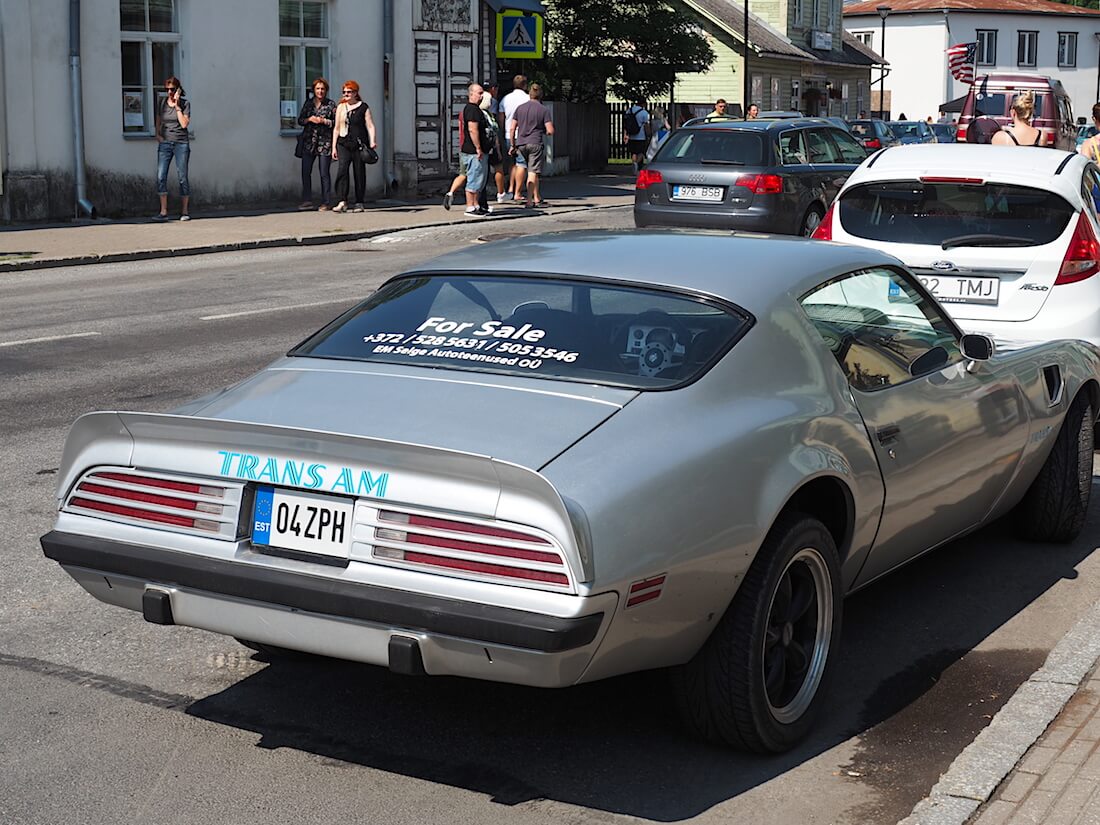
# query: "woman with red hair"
354, 129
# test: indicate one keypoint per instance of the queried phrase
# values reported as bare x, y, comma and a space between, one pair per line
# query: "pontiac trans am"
572, 456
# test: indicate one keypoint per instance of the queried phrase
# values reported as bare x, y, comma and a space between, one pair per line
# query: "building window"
303, 54
866, 38
150, 55
861, 97
1026, 46
987, 47
1067, 49
798, 12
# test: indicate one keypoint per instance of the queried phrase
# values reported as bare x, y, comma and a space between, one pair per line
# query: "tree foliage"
632, 48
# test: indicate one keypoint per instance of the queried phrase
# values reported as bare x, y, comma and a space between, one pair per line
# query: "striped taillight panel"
196, 506
475, 549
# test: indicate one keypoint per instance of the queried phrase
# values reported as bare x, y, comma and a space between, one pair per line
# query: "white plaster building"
1037, 36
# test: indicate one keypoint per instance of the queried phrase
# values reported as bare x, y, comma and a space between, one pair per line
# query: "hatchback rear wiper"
717, 162
985, 240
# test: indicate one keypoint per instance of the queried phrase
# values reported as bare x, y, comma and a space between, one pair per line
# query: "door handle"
888, 434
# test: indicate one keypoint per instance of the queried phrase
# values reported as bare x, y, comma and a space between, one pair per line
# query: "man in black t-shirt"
473, 153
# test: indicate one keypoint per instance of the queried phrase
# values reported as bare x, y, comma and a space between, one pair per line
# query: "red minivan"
992, 95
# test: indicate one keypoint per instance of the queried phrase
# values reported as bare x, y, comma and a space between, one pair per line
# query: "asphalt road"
107, 719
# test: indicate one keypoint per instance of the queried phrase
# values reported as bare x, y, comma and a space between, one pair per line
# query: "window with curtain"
150, 55
303, 54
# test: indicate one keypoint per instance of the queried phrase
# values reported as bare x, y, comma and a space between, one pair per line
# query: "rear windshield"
905, 128
996, 103
932, 213
542, 327
944, 131
863, 128
713, 146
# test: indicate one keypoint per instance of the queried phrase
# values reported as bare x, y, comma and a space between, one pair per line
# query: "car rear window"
717, 146
996, 104
542, 327
909, 211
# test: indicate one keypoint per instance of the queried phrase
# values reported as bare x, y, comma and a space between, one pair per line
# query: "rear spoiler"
324, 462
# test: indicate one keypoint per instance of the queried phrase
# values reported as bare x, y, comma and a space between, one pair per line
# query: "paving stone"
941, 810
1080, 708
1017, 786
1058, 735
1038, 759
1091, 730
1091, 814
996, 812
1071, 802
1034, 810
1091, 768
1076, 752
1056, 777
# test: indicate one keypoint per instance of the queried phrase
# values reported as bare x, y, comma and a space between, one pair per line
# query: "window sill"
140, 136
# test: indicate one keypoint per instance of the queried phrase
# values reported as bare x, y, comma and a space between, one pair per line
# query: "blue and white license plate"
308, 523
697, 193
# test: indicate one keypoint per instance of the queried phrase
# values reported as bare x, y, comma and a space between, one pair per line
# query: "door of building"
445, 65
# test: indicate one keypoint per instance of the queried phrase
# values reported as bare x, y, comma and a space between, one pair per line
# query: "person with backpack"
636, 132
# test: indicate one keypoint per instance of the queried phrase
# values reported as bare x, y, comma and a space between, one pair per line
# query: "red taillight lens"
872, 143
824, 231
189, 505
647, 178
1083, 256
960, 135
761, 184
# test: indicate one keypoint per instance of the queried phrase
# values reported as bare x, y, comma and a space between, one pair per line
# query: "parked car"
945, 132
992, 95
873, 133
839, 123
1084, 133
761, 175
912, 131
473, 472
1010, 248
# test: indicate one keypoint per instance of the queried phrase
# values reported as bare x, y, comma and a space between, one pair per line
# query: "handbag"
300, 146
366, 154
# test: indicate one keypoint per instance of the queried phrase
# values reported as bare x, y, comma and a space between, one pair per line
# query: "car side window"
792, 152
850, 150
880, 328
1090, 190
819, 148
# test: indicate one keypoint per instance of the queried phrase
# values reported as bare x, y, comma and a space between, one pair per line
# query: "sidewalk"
90, 242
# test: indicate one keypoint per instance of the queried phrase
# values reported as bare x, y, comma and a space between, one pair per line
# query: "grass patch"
16, 256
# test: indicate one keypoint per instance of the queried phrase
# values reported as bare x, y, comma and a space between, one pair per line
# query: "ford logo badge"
943, 266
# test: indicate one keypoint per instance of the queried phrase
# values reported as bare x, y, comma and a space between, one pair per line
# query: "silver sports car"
578, 455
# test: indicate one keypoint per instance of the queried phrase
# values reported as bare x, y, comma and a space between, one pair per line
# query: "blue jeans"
324, 162
166, 150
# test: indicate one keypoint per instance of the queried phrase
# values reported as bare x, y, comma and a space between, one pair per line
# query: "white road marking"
272, 309
48, 338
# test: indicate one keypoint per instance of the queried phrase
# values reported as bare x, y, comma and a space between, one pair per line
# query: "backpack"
630, 122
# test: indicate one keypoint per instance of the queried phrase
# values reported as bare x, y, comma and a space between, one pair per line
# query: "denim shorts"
477, 171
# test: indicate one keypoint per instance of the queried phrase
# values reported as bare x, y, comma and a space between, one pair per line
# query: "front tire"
1054, 507
811, 222
756, 684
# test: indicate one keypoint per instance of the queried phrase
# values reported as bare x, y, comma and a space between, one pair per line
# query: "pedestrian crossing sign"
519, 34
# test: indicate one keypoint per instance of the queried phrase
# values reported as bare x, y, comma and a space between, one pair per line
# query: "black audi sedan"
758, 175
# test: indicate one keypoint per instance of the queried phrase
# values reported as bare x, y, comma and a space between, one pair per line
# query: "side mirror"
977, 347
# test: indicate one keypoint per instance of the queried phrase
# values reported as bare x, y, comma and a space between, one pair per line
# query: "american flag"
960, 60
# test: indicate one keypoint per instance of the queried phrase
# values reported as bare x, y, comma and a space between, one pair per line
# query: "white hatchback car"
1004, 237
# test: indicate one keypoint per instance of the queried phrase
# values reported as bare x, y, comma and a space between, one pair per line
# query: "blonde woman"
354, 127
1021, 132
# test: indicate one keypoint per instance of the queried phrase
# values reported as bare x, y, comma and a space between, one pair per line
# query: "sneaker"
340, 207
324, 207
359, 208
304, 205
160, 216
475, 212
185, 217
505, 196
448, 199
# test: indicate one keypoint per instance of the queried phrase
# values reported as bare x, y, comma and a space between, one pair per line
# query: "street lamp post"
747, 88
883, 12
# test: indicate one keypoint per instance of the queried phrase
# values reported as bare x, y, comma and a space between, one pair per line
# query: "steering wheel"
660, 343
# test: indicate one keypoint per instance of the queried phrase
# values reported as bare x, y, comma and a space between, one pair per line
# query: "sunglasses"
348, 92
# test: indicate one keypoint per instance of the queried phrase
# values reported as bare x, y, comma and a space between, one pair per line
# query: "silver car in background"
516, 463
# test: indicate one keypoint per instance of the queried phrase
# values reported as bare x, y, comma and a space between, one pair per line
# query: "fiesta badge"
943, 266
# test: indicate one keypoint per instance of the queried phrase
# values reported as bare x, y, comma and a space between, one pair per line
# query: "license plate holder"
952, 288
711, 194
307, 523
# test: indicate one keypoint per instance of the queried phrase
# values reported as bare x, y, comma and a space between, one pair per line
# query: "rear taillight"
1082, 259
188, 505
824, 231
960, 135
647, 178
472, 550
872, 143
761, 184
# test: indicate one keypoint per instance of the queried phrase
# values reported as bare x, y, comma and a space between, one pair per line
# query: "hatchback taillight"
647, 178
824, 231
872, 143
1082, 258
761, 184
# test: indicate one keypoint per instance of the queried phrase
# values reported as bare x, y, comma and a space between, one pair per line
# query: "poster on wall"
133, 110
777, 101
288, 108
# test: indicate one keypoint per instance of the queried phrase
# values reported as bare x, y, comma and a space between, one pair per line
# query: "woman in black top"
317, 118
354, 127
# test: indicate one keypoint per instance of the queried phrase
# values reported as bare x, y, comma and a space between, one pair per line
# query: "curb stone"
976, 773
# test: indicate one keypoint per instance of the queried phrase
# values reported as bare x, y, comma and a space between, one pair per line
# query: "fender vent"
1052, 376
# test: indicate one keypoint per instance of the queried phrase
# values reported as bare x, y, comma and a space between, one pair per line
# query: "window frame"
1030, 37
300, 44
867, 38
1067, 61
151, 99
986, 54
799, 13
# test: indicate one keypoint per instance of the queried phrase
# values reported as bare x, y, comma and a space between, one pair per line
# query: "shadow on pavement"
905, 687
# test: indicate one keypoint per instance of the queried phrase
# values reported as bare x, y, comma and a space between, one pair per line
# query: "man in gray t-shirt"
530, 126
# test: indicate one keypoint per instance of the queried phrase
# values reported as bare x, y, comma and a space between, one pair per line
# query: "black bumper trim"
346, 600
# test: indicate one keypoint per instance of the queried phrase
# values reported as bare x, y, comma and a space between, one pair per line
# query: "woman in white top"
354, 128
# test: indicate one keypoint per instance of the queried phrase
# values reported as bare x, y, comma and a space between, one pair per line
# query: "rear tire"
756, 684
811, 221
1055, 506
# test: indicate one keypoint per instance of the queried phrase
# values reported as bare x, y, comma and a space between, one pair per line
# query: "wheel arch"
829, 500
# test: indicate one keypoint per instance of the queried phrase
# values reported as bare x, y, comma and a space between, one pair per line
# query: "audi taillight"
647, 178
824, 231
1082, 258
445, 545
761, 184
872, 143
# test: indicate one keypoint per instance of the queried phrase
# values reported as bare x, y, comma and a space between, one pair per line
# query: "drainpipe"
387, 97
83, 205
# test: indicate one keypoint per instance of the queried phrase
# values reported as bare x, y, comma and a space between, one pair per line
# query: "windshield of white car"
916, 212
537, 327
741, 147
